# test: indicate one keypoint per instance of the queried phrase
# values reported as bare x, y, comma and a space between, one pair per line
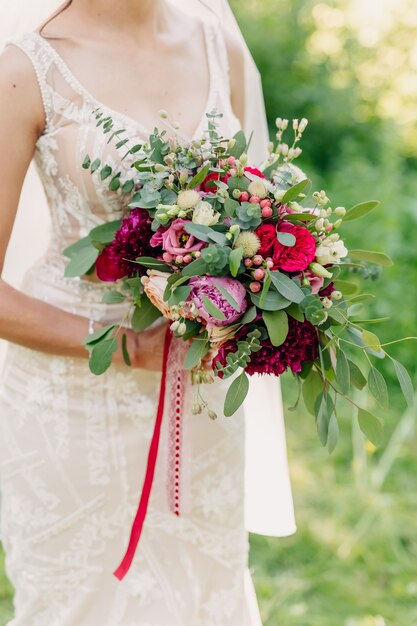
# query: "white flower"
249, 242
329, 252
204, 214
187, 199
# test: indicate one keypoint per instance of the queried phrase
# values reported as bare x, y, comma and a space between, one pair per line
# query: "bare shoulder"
21, 97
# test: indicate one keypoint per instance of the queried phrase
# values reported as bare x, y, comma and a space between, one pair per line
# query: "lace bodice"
77, 200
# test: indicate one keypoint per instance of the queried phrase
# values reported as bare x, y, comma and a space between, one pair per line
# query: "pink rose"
177, 241
206, 286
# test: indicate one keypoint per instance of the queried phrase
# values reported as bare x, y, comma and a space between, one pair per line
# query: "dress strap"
41, 61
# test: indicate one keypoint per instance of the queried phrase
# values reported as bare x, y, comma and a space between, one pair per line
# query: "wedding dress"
73, 447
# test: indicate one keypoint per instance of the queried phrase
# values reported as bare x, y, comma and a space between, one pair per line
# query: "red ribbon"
140, 516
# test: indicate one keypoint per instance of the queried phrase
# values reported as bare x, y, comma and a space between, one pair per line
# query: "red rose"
267, 235
209, 186
298, 257
254, 171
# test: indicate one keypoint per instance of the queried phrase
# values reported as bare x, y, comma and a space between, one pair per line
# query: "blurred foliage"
349, 66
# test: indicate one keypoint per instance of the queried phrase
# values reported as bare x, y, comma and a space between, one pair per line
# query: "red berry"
258, 259
267, 211
244, 196
255, 287
255, 199
259, 273
265, 202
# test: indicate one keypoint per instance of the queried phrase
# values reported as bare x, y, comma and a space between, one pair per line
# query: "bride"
73, 447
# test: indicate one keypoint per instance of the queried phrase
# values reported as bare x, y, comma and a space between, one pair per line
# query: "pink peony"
177, 241
207, 286
131, 241
300, 345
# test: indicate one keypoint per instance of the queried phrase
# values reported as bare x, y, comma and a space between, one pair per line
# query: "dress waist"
46, 281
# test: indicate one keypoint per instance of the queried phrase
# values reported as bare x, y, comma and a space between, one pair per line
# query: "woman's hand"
146, 349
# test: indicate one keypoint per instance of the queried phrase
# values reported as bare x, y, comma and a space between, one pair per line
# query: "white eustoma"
204, 214
330, 251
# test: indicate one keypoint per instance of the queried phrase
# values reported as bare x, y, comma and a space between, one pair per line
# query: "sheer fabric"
73, 447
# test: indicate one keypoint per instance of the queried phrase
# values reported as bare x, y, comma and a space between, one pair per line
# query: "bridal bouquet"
245, 273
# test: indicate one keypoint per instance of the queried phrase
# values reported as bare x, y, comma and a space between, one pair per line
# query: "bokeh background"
350, 67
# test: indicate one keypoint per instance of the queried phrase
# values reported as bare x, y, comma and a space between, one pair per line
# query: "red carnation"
301, 345
131, 241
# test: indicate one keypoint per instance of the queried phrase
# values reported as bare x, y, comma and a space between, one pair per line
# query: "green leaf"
240, 145
205, 233
212, 309
236, 394
101, 356
197, 351
193, 329
230, 207
342, 372
273, 301
95, 165
180, 294
227, 296
294, 311
378, 386
144, 315
105, 172
286, 239
87, 162
333, 433
300, 217
265, 288
113, 297
294, 192
114, 183
363, 297
277, 325
125, 352
347, 287
128, 186
287, 287
371, 257
249, 316
154, 264
371, 340
371, 426
195, 268
312, 389
100, 334
323, 418
405, 382
235, 259
77, 247
238, 182
82, 262
360, 210
105, 232
199, 177
357, 379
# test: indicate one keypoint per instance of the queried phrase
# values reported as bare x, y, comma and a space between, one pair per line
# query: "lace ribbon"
140, 516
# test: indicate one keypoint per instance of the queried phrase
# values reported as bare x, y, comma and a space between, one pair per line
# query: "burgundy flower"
327, 291
288, 258
132, 240
300, 345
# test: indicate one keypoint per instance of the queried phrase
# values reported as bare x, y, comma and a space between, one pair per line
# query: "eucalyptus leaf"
405, 382
195, 268
125, 352
154, 264
312, 389
286, 239
197, 351
287, 287
333, 433
235, 259
379, 258
273, 301
212, 309
357, 379
113, 297
144, 315
294, 192
371, 340
236, 394
249, 316
342, 372
199, 177
378, 386
227, 296
99, 335
277, 325
240, 146
81, 263
360, 210
101, 356
294, 311
371, 426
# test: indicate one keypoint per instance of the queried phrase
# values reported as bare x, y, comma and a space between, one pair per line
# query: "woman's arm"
25, 320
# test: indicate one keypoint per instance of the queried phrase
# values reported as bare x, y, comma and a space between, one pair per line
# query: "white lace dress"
73, 447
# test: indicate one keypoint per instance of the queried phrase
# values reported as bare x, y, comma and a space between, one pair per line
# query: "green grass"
353, 560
